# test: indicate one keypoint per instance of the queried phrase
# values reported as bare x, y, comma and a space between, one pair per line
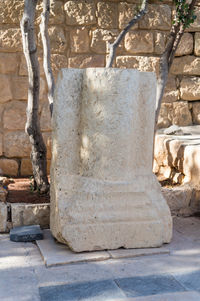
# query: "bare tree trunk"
38, 152
47, 52
116, 43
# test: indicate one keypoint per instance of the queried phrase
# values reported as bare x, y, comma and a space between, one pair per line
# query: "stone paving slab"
55, 253
184, 296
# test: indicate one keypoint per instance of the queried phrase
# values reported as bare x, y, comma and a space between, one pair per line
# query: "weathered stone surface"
141, 63
79, 40
26, 165
196, 112
26, 233
3, 217
88, 200
86, 61
160, 41
8, 63
171, 92
10, 39
179, 153
80, 13
57, 38
197, 44
186, 65
9, 167
139, 42
30, 214
3, 194
177, 197
190, 88
11, 11
107, 15
126, 13
45, 118
196, 25
23, 66
58, 61
5, 89
1, 144
166, 115
56, 12
101, 38
14, 117
20, 87
186, 45
157, 17
181, 114
16, 144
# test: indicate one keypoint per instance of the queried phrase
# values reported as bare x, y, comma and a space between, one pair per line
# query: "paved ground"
164, 277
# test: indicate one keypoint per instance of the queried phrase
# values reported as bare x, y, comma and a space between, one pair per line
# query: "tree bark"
116, 43
47, 52
38, 148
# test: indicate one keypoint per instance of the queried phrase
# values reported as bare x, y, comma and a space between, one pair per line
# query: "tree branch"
116, 43
47, 52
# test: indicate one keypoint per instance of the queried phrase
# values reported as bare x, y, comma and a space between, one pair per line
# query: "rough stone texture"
157, 17
196, 25
107, 15
16, 144
179, 154
9, 166
186, 65
30, 214
11, 11
171, 92
14, 117
86, 61
141, 63
5, 89
190, 88
56, 12
139, 42
45, 119
58, 61
1, 144
3, 194
79, 40
196, 112
165, 116
57, 39
101, 38
181, 114
100, 179
80, 13
186, 45
10, 39
126, 13
160, 41
3, 217
197, 44
26, 234
23, 66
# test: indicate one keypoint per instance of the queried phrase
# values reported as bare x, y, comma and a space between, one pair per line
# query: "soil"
21, 192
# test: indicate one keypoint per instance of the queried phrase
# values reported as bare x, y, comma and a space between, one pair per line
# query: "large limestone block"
103, 192
3, 217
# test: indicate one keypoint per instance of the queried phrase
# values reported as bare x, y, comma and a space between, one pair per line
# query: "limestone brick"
3, 217
10, 40
190, 88
196, 112
86, 61
139, 42
141, 63
107, 15
126, 12
8, 63
160, 41
9, 167
166, 115
23, 66
56, 12
11, 11
196, 25
186, 65
157, 17
14, 117
79, 40
101, 38
58, 41
58, 61
171, 92
16, 144
5, 89
197, 44
80, 12
181, 114
45, 119
186, 45
1, 144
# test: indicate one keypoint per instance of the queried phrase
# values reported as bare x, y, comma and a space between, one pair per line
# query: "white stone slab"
55, 253
123, 253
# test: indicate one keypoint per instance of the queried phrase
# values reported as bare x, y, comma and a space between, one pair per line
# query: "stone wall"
80, 32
